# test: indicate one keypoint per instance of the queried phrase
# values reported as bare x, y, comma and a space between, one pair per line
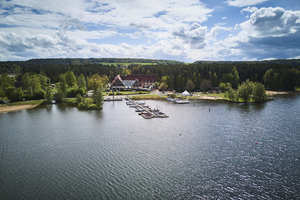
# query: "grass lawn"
148, 97
72, 101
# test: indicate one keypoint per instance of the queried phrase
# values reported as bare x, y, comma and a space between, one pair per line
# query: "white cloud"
65, 26
249, 10
244, 3
275, 22
269, 33
157, 29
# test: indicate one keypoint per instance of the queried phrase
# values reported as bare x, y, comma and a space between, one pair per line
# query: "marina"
113, 99
144, 110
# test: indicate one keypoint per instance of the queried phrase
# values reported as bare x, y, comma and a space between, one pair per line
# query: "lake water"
204, 150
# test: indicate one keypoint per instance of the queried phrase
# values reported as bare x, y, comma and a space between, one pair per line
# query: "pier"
113, 98
144, 110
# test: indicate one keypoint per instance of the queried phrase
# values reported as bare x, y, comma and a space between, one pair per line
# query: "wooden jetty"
113, 99
145, 111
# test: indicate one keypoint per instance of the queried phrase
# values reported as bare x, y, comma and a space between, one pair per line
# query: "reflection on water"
204, 150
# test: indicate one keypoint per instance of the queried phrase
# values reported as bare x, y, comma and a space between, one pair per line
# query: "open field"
126, 64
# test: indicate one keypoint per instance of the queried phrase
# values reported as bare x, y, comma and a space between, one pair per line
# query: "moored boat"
147, 115
182, 101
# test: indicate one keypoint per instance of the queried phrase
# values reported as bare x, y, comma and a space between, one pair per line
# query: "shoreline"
21, 105
5, 109
275, 93
17, 106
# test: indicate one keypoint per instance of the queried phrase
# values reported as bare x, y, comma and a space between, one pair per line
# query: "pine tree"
98, 98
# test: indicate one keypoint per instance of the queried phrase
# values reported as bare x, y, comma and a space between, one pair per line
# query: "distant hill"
290, 62
104, 61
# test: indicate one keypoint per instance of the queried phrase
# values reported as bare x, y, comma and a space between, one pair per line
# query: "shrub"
245, 90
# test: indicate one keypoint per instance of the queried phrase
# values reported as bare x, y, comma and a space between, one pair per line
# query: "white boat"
170, 99
182, 101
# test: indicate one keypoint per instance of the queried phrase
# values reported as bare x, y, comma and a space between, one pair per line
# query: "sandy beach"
4, 109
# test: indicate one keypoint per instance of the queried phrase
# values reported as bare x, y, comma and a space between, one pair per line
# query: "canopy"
186, 93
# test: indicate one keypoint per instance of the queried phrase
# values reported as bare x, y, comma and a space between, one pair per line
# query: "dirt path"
272, 93
16, 108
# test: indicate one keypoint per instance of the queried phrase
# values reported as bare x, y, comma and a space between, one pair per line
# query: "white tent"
186, 93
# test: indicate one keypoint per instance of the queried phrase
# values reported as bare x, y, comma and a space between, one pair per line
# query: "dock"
113, 99
144, 110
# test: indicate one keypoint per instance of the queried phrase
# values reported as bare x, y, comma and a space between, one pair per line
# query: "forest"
59, 78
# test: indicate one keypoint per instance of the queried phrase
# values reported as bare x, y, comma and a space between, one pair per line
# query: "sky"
183, 30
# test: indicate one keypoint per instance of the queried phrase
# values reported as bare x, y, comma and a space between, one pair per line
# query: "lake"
204, 150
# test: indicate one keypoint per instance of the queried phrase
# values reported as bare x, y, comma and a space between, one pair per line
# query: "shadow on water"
65, 108
97, 113
246, 107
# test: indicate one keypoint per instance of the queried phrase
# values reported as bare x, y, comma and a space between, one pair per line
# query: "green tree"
71, 79
6, 81
259, 93
82, 82
63, 84
233, 78
2, 93
214, 78
26, 81
224, 86
14, 94
268, 79
245, 90
205, 85
190, 85
49, 95
36, 88
98, 98
163, 86
236, 78
59, 96
96, 81
232, 95
79, 99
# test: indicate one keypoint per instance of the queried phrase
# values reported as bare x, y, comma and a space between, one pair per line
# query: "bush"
172, 96
232, 95
2, 94
40, 94
245, 90
79, 99
73, 92
14, 94
224, 86
86, 105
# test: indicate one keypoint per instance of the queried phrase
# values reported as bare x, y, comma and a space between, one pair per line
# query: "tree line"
33, 86
33, 79
275, 75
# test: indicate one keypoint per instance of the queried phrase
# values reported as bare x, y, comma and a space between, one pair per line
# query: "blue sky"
160, 29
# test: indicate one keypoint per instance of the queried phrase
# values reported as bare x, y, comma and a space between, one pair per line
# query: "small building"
186, 93
144, 81
117, 83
